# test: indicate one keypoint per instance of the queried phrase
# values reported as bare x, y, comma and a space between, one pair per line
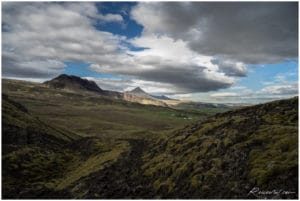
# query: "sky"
222, 52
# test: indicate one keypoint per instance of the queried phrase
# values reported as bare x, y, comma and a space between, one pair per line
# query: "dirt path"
123, 179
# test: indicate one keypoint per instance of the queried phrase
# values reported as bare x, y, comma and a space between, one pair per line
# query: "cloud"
224, 94
231, 68
280, 89
287, 89
127, 84
172, 62
188, 81
39, 37
248, 32
113, 84
14, 66
186, 47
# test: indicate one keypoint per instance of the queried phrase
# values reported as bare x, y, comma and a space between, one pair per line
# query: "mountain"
138, 90
77, 84
141, 93
138, 95
230, 155
162, 97
60, 144
74, 83
66, 144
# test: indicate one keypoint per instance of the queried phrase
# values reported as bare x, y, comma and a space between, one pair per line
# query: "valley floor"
58, 144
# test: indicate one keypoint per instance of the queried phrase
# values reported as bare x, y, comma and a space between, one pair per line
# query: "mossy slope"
42, 161
224, 156
228, 154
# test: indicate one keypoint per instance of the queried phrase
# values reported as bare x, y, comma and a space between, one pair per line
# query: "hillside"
229, 154
66, 144
199, 106
32, 151
79, 85
140, 92
138, 95
41, 160
70, 83
55, 139
73, 83
94, 115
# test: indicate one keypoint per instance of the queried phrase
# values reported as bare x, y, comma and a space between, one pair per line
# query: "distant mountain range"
58, 144
137, 95
74, 83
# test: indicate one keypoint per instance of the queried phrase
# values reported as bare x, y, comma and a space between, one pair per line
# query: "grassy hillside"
60, 144
40, 161
228, 154
32, 152
95, 115
52, 138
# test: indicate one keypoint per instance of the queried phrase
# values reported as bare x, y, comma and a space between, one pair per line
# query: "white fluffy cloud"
287, 89
39, 37
279, 89
185, 51
169, 61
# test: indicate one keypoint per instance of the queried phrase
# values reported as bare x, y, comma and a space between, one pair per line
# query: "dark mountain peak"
138, 90
64, 76
70, 78
72, 82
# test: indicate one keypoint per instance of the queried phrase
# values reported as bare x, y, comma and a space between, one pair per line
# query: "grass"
277, 156
97, 116
253, 146
69, 117
92, 164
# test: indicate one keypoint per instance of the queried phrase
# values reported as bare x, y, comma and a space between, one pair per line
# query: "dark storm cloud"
236, 69
251, 32
186, 81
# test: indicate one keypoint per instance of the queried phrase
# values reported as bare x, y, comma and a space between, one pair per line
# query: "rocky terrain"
74, 83
138, 95
229, 154
63, 143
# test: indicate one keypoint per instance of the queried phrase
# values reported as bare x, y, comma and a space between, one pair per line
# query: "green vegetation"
228, 154
92, 164
35, 155
95, 115
55, 138
63, 144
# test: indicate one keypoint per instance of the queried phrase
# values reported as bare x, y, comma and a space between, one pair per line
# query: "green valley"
63, 143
